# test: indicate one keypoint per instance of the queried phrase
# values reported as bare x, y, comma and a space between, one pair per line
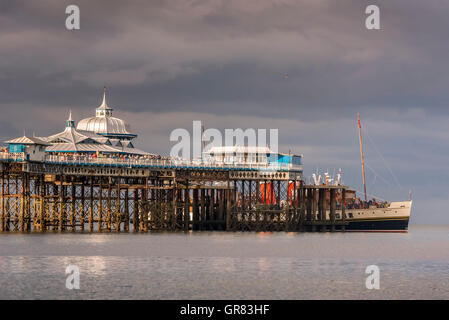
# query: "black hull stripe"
377, 219
398, 224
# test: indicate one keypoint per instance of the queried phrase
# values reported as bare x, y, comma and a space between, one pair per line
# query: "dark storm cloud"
230, 51
167, 63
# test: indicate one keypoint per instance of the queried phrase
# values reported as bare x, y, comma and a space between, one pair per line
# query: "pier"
122, 195
90, 177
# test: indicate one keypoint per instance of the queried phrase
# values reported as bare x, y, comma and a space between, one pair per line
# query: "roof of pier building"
28, 141
75, 140
105, 124
238, 149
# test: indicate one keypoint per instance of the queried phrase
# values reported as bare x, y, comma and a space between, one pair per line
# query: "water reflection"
221, 265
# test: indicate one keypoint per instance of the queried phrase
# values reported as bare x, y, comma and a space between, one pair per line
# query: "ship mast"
361, 154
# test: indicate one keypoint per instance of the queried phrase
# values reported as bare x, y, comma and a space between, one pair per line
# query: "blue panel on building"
16, 148
284, 158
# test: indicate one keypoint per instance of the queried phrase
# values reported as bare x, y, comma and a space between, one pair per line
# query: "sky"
167, 63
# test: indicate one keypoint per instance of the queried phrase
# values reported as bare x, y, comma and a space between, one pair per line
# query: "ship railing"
170, 163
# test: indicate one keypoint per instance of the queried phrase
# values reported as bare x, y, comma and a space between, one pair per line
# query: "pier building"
32, 148
100, 135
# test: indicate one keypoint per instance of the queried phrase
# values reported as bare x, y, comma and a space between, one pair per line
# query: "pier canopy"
105, 124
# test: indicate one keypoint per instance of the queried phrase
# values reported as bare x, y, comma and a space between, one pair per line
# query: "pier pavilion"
99, 135
82, 142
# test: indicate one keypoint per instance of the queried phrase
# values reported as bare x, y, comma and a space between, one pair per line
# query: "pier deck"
117, 196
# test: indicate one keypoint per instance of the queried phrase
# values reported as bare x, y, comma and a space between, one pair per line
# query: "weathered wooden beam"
72, 205
91, 205
2, 203
333, 208
343, 208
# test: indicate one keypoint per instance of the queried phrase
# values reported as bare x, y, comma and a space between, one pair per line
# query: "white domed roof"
104, 123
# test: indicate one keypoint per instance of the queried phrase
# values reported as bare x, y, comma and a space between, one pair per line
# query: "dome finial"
104, 105
104, 110
70, 123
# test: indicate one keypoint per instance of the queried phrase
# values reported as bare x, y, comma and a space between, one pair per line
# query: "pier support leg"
333, 208
343, 209
313, 205
91, 205
6, 205
118, 215
186, 206
54, 206
42, 202
221, 209
144, 207
2, 203
322, 208
126, 226
228, 207
136, 211
83, 211
72, 206
196, 212
203, 208
100, 206
109, 206
61, 204
22, 205
303, 207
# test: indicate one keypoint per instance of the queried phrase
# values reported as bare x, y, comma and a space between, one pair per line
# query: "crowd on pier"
113, 156
357, 203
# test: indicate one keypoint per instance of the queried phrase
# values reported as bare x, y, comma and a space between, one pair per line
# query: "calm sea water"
220, 265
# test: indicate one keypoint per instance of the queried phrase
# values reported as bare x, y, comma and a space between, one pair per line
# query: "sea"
226, 265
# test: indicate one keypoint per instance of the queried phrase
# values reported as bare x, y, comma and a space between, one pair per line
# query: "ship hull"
395, 217
385, 225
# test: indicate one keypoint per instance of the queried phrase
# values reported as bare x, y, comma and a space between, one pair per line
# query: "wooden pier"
45, 197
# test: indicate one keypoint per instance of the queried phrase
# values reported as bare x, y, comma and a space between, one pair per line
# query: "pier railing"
19, 156
160, 163
168, 163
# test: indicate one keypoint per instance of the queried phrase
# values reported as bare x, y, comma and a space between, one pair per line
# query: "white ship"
393, 217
